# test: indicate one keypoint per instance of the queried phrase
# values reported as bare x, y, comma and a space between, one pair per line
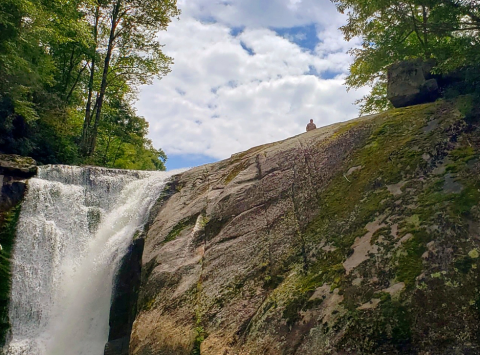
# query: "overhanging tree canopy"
447, 30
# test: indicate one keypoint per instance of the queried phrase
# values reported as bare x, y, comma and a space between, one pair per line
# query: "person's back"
311, 126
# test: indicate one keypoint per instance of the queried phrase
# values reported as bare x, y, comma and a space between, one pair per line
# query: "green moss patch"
179, 227
200, 336
292, 309
390, 155
409, 263
464, 264
385, 330
237, 169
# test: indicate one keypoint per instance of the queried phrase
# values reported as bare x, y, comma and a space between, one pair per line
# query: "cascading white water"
75, 226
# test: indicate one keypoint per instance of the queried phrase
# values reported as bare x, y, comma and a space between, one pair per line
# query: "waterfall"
75, 226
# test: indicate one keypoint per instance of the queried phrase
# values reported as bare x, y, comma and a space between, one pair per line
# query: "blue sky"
246, 73
306, 36
188, 161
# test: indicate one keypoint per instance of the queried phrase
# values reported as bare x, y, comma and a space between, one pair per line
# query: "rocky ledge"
14, 170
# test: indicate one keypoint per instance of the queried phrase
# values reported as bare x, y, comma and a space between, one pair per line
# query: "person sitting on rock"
311, 126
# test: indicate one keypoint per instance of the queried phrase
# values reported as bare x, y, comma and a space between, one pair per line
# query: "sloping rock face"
358, 238
410, 83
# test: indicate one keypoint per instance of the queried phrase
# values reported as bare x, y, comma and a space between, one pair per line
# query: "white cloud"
219, 99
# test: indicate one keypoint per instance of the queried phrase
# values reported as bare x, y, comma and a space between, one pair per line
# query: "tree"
123, 141
69, 72
133, 55
32, 34
446, 30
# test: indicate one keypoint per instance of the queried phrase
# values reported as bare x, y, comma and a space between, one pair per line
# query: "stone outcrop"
14, 170
410, 83
343, 240
16, 165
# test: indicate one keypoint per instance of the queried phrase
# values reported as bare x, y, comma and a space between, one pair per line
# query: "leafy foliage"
446, 30
69, 72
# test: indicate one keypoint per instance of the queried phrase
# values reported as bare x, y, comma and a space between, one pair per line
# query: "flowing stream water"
75, 226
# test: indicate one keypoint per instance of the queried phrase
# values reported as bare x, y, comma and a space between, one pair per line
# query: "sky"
246, 73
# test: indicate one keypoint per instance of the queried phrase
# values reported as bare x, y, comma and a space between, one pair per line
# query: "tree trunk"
75, 83
68, 76
103, 87
105, 155
425, 31
84, 148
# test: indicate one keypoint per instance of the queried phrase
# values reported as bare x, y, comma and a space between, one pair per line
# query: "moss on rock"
179, 227
429, 222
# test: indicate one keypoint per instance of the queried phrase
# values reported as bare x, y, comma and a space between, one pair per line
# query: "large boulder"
410, 83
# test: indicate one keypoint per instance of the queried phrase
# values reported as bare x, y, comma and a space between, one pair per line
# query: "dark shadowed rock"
410, 83
124, 300
462, 81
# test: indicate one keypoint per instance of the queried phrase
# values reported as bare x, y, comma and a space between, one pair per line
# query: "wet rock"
362, 247
124, 300
353, 169
17, 166
372, 304
396, 189
14, 172
452, 186
395, 289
